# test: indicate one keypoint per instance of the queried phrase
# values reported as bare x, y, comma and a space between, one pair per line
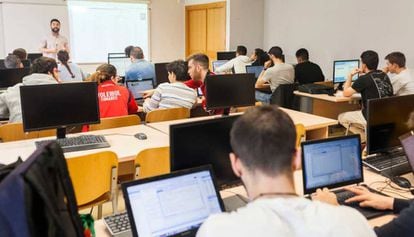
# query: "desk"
325, 105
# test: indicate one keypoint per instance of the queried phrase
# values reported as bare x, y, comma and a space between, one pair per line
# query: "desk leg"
317, 133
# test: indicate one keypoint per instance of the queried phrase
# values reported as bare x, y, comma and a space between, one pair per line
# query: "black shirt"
403, 225
374, 84
308, 72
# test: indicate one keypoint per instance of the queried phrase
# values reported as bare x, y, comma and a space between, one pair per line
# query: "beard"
55, 30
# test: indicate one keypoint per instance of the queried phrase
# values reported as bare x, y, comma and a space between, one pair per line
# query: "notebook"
174, 204
138, 86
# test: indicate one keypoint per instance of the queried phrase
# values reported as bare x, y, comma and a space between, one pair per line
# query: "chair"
115, 122
300, 134
14, 132
94, 178
160, 115
244, 108
283, 95
152, 162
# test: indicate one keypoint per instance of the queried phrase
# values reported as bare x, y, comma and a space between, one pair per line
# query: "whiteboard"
25, 25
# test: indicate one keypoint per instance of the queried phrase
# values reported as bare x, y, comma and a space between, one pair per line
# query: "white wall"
339, 29
2, 51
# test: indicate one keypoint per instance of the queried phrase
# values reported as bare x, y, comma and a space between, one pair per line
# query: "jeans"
263, 97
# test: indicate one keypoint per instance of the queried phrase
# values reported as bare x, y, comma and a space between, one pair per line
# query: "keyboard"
79, 143
118, 225
390, 165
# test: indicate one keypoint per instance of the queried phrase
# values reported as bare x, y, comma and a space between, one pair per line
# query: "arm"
401, 226
225, 67
153, 102
132, 105
43, 48
4, 110
348, 90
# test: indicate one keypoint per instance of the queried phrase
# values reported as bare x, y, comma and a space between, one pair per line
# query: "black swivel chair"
283, 96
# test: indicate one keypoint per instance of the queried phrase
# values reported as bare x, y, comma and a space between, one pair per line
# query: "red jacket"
115, 100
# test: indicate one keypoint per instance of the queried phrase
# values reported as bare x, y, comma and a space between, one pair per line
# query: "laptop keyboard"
383, 163
79, 143
118, 224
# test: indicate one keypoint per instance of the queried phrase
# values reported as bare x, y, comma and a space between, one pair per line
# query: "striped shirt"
171, 95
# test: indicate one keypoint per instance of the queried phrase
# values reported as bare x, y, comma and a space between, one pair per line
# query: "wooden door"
206, 29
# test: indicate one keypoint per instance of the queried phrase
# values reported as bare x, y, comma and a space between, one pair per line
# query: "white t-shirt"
279, 74
287, 217
403, 83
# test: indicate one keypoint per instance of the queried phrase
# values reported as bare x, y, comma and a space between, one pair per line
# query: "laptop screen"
407, 141
218, 63
172, 204
254, 69
331, 163
138, 86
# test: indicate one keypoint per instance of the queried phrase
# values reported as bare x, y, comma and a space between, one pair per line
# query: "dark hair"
201, 59
21, 53
264, 139
136, 52
303, 54
43, 65
54, 19
12, 61
397, 58
277, 52
63, 57
127, 50
261, 56
179, 68
105, 72
241, 50
370, 58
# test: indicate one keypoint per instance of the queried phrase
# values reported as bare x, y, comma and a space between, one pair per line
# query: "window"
99, 28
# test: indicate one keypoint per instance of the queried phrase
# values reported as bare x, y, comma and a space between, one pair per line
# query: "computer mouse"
141, 136
401, 182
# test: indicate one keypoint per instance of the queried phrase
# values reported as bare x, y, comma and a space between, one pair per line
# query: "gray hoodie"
10, 105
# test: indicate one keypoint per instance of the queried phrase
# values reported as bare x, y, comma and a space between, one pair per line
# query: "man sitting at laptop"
263, 141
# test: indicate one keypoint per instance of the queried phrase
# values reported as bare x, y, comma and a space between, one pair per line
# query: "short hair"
43, 65
241, 50
370, 58
200, 59
54, 20
397, 58
264, 139
136, 52
105, 72
303, 54
277, 52
127, 50
12, 61
21, 53
179, 68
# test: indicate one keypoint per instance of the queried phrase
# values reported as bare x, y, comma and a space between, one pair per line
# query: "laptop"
254, 69
174, 204
218, 63
407, 142
138, 86
333, 163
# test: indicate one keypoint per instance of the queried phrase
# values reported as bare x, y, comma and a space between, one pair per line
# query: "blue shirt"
140, 69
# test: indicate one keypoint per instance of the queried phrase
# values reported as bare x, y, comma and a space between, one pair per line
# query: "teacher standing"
54, 42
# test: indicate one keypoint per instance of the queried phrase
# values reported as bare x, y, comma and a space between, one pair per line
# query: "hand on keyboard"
365, 198
326, 196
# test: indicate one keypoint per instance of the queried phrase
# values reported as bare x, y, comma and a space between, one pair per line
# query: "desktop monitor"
138, 86
228, 55
342, 68
386, 121
116, 55
120, 63
204, 142
10, 77
33, 56
230, 90
256, 70
59, 105
161, 73
218, 63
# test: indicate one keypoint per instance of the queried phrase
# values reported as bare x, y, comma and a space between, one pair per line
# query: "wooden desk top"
336, 99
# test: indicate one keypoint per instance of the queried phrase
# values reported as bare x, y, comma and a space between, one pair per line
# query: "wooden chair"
94, 179
300, 134
14, 132
160, 115
115, 122
152, 162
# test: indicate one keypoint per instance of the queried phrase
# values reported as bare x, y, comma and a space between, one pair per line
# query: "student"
174, 94
307, 71
238, 63
114, 100
12, 61
280, 73
259, 57
127, 50
21, 53
140, 68
54, 41
372, 84
403, 81
43, 71
267, 174
68, 71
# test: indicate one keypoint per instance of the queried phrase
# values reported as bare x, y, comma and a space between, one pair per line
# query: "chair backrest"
116, 122
160, 115
14, 132
94, 177
300, 134
151, 162
283, 95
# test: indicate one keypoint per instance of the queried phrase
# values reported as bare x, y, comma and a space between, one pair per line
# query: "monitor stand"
61, 133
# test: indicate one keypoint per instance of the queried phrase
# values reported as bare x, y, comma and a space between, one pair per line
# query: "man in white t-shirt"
263, 141
238, 63
403, 81
54, 42
273, 76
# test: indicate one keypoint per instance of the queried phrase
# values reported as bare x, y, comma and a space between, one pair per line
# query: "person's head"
256, 54
263, 142
276, 53
177, 71
395, 62
369, 61
136, 53
198, 66
241, 50
21, 53
12, 61
45, 65
105, 72
63, 56
55, 25
302, 55
127, 50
